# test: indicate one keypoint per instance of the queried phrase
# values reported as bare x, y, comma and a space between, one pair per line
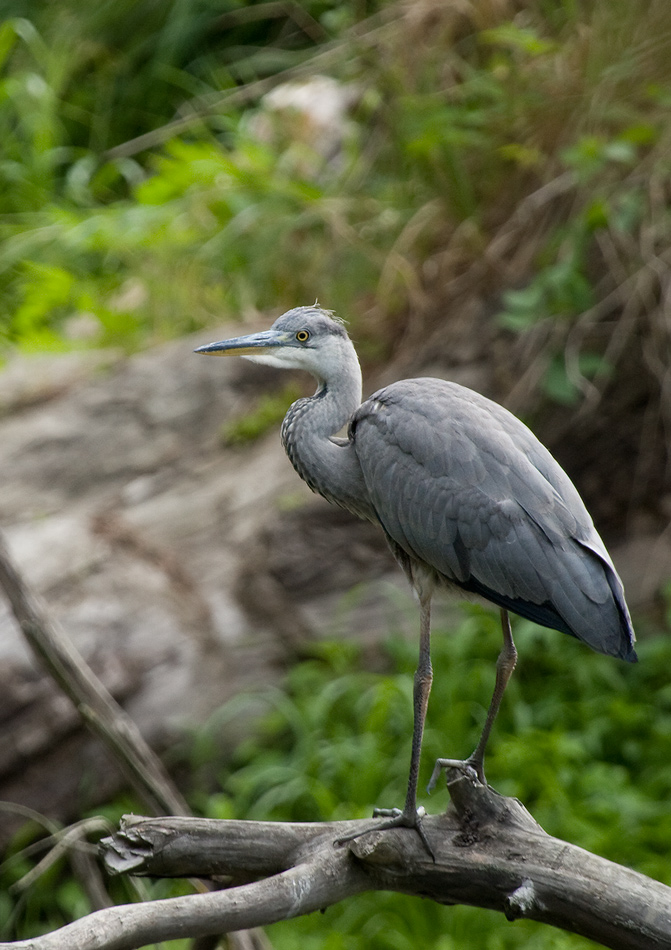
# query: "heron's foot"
472, 767
395, 818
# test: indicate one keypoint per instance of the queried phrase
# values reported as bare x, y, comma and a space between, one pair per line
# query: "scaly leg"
505, 665
410, 817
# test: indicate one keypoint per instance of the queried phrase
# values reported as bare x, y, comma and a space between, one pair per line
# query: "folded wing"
462, 486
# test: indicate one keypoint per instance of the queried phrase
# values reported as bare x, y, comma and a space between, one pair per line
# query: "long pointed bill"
255, 344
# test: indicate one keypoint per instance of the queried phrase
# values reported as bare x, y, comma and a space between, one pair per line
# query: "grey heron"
467, 497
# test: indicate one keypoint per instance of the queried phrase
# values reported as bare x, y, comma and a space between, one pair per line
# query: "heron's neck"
329, 465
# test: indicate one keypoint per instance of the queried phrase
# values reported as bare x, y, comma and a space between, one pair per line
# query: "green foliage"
561, 287
76, 81
583, 740
217, 222
564, 286
36, 898
53, 901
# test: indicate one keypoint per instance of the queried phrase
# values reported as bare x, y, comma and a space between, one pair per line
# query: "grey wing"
462, 486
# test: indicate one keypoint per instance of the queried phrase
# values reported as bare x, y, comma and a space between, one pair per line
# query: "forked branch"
489, 853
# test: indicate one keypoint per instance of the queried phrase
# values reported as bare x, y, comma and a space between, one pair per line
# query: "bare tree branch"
489, 853
57, 654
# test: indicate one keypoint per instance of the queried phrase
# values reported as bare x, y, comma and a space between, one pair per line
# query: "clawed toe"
408, 820
395, 818
387, 812
470, 767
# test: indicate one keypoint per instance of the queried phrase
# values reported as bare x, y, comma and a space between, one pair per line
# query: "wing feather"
462, 486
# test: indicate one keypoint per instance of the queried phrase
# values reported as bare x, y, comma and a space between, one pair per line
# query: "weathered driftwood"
489, 853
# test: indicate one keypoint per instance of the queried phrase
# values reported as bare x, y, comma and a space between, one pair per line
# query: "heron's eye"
303, 336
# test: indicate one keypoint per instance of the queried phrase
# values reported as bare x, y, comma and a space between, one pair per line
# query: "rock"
27, 381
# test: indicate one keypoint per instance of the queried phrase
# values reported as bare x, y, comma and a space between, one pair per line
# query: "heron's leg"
420, 701
505, 665
410, 817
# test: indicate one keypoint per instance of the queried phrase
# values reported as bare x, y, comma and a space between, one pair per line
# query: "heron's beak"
253, 345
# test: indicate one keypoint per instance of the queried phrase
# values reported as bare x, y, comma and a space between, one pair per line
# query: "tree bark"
489, 853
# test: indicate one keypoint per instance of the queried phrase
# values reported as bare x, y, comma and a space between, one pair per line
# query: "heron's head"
306, 338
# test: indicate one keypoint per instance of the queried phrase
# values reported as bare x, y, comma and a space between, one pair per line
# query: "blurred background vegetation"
511, 153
